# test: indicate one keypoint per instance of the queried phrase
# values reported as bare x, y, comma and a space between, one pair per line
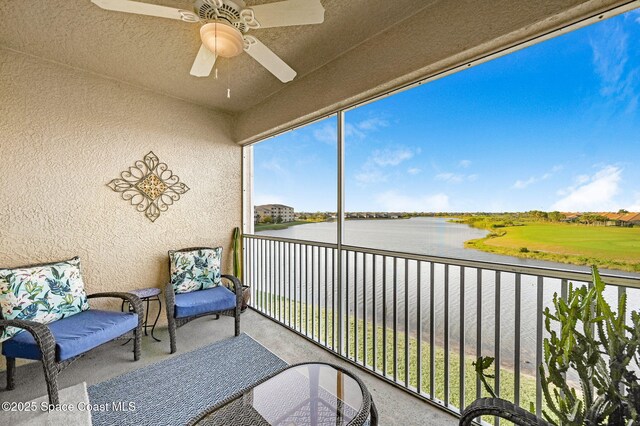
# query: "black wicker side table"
314, 394
148, 295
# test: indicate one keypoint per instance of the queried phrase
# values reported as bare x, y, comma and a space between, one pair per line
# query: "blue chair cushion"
74, 335
203, 301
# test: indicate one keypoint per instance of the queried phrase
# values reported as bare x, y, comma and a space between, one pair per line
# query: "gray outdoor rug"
176, 390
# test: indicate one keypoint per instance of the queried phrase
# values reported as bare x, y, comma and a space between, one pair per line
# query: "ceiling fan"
225, 24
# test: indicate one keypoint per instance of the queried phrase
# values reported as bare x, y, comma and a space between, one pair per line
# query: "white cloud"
351, 132
578, 180
594, 194
261, 199
414, 171
449, 177
455, 177
372, 170
394, 201
387, 157
274, 166
327, 133
522, 184
582, 179
371, 176
610, 57
372, 124
635, 207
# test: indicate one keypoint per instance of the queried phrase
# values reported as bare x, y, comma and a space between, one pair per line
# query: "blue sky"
555, 126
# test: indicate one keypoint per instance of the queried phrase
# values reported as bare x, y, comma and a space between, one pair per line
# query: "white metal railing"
416, 321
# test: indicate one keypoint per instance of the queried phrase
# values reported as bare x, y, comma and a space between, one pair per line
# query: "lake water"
439, 237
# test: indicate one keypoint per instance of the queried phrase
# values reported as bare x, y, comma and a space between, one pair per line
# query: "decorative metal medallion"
150, 186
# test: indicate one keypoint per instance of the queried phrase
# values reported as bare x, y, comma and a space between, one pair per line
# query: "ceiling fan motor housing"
228, 11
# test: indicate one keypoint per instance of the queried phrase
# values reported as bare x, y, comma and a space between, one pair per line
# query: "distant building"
570, 217
613, 219
610, 218
275, 211
630, 219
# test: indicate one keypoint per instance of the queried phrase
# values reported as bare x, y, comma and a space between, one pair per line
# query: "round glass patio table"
313, 394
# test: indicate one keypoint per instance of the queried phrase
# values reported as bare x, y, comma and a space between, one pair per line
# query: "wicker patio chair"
216, 301
499, 408
47, 350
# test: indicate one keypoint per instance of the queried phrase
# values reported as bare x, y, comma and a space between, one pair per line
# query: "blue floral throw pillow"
195, 270
43, 293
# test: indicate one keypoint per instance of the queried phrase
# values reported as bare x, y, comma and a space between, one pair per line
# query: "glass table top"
308, 394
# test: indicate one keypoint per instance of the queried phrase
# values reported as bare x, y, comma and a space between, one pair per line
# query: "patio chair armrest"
134, 301
500, 408
42, 335
237, 287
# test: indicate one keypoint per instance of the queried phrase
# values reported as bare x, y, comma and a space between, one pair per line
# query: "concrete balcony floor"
395, 406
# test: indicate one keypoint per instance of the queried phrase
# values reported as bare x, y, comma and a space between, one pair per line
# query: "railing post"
478, 326
539, 334
406, 323
462, 340
446, 335
496, 386
364, 309
419, 328
516, 341
432, 332
384, 316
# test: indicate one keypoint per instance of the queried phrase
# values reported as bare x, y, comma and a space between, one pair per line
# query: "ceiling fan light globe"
222, 39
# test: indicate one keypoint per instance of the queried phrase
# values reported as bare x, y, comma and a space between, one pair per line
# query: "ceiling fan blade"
146, 9
290, 12
269, 60
204, 62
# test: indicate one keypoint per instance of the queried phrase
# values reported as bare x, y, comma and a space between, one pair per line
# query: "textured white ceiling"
157, 53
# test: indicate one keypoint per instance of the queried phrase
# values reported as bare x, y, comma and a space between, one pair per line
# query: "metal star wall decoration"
150, 186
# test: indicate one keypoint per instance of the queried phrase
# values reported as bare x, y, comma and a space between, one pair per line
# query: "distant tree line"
270, 219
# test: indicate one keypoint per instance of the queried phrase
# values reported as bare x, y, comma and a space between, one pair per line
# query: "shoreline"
523, 252
480, 245
285, 225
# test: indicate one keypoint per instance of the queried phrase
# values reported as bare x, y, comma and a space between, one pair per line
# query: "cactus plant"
237, 253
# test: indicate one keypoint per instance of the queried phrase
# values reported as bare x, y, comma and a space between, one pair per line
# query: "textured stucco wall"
65, 133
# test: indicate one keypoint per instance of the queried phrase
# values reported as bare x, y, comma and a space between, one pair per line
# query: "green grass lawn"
608, 247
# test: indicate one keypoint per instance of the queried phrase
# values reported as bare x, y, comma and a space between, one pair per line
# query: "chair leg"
237, 325
51, 377
374, 414
11, 373
137, 340
172, 334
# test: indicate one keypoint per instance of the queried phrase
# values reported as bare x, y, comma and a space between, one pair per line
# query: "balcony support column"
340, 222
